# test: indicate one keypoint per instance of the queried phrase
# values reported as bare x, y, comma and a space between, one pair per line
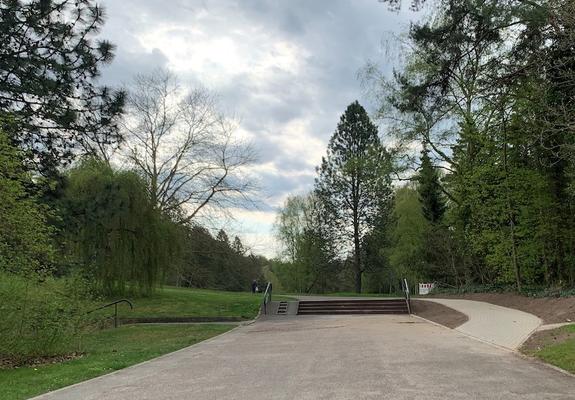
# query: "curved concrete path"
333, 358
498, 325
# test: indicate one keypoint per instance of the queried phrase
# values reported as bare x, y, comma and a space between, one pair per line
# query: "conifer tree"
429, 188
353, 182
49, 62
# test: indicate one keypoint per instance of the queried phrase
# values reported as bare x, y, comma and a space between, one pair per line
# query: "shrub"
41, 316
25, 236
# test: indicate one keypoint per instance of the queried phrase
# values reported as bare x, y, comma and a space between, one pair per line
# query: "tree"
308, 246
26, 245
238, 246
185, 148
223, 237
114, 232
488, 88
49, 60
353, 182
429, 188
408, 237
396, 5
210, 262
290, 225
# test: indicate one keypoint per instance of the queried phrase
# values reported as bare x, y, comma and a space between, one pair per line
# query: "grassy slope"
113, 349
182, 302
561, 353
106, 351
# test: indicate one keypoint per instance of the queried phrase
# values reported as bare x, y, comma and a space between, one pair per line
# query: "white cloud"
287, 69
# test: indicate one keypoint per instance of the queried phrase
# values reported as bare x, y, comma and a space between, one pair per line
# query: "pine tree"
223, 237
49, 62
429, 188
238, 246
353, 182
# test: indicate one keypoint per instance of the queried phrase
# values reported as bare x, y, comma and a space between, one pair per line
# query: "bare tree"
185, 147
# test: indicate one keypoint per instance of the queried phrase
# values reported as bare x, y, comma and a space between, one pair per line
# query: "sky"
286, 69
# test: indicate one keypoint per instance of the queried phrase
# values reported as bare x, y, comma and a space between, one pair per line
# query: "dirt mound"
438, 313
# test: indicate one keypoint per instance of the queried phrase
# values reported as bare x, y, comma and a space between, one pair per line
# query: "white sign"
425, 288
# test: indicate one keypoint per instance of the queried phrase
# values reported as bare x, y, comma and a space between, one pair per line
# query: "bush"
25, 236
41, 317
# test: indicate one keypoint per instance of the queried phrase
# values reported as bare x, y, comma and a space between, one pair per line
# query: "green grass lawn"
560, 353
184, 302
105, 351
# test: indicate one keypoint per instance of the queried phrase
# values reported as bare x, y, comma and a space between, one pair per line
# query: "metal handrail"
115, 304
405, 287
267, 297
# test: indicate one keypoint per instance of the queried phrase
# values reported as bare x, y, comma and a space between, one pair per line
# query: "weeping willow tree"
116, 233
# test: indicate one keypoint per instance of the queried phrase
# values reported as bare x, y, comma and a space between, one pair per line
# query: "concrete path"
333, 358
498, 325
550, 327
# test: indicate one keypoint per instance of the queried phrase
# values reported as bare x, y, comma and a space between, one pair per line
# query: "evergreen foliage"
429, 189
353, 182
49, 60
214, 263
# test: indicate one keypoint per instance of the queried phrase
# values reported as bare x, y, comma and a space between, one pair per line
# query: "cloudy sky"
287, 69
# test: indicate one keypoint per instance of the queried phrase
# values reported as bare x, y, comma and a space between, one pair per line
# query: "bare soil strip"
438, 313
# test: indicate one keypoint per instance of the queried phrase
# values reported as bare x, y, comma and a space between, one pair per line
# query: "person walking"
254, 286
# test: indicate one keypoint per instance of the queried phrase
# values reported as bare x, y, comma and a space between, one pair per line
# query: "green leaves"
114, 230
47, 71
26, 246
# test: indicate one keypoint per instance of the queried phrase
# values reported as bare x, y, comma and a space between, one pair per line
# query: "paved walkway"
333, 358
549, 327
501, 326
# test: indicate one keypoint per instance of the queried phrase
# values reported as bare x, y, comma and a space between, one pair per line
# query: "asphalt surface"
333, 357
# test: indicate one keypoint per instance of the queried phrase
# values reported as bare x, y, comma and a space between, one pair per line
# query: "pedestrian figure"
254, 286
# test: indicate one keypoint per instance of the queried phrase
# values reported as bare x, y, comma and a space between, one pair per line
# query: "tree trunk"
356, 257
510, 215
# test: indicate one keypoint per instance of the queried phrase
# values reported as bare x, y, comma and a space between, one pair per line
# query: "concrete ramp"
501, 326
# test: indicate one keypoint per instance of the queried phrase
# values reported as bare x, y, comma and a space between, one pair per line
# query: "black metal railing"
405, 289
267, 297
115, 304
